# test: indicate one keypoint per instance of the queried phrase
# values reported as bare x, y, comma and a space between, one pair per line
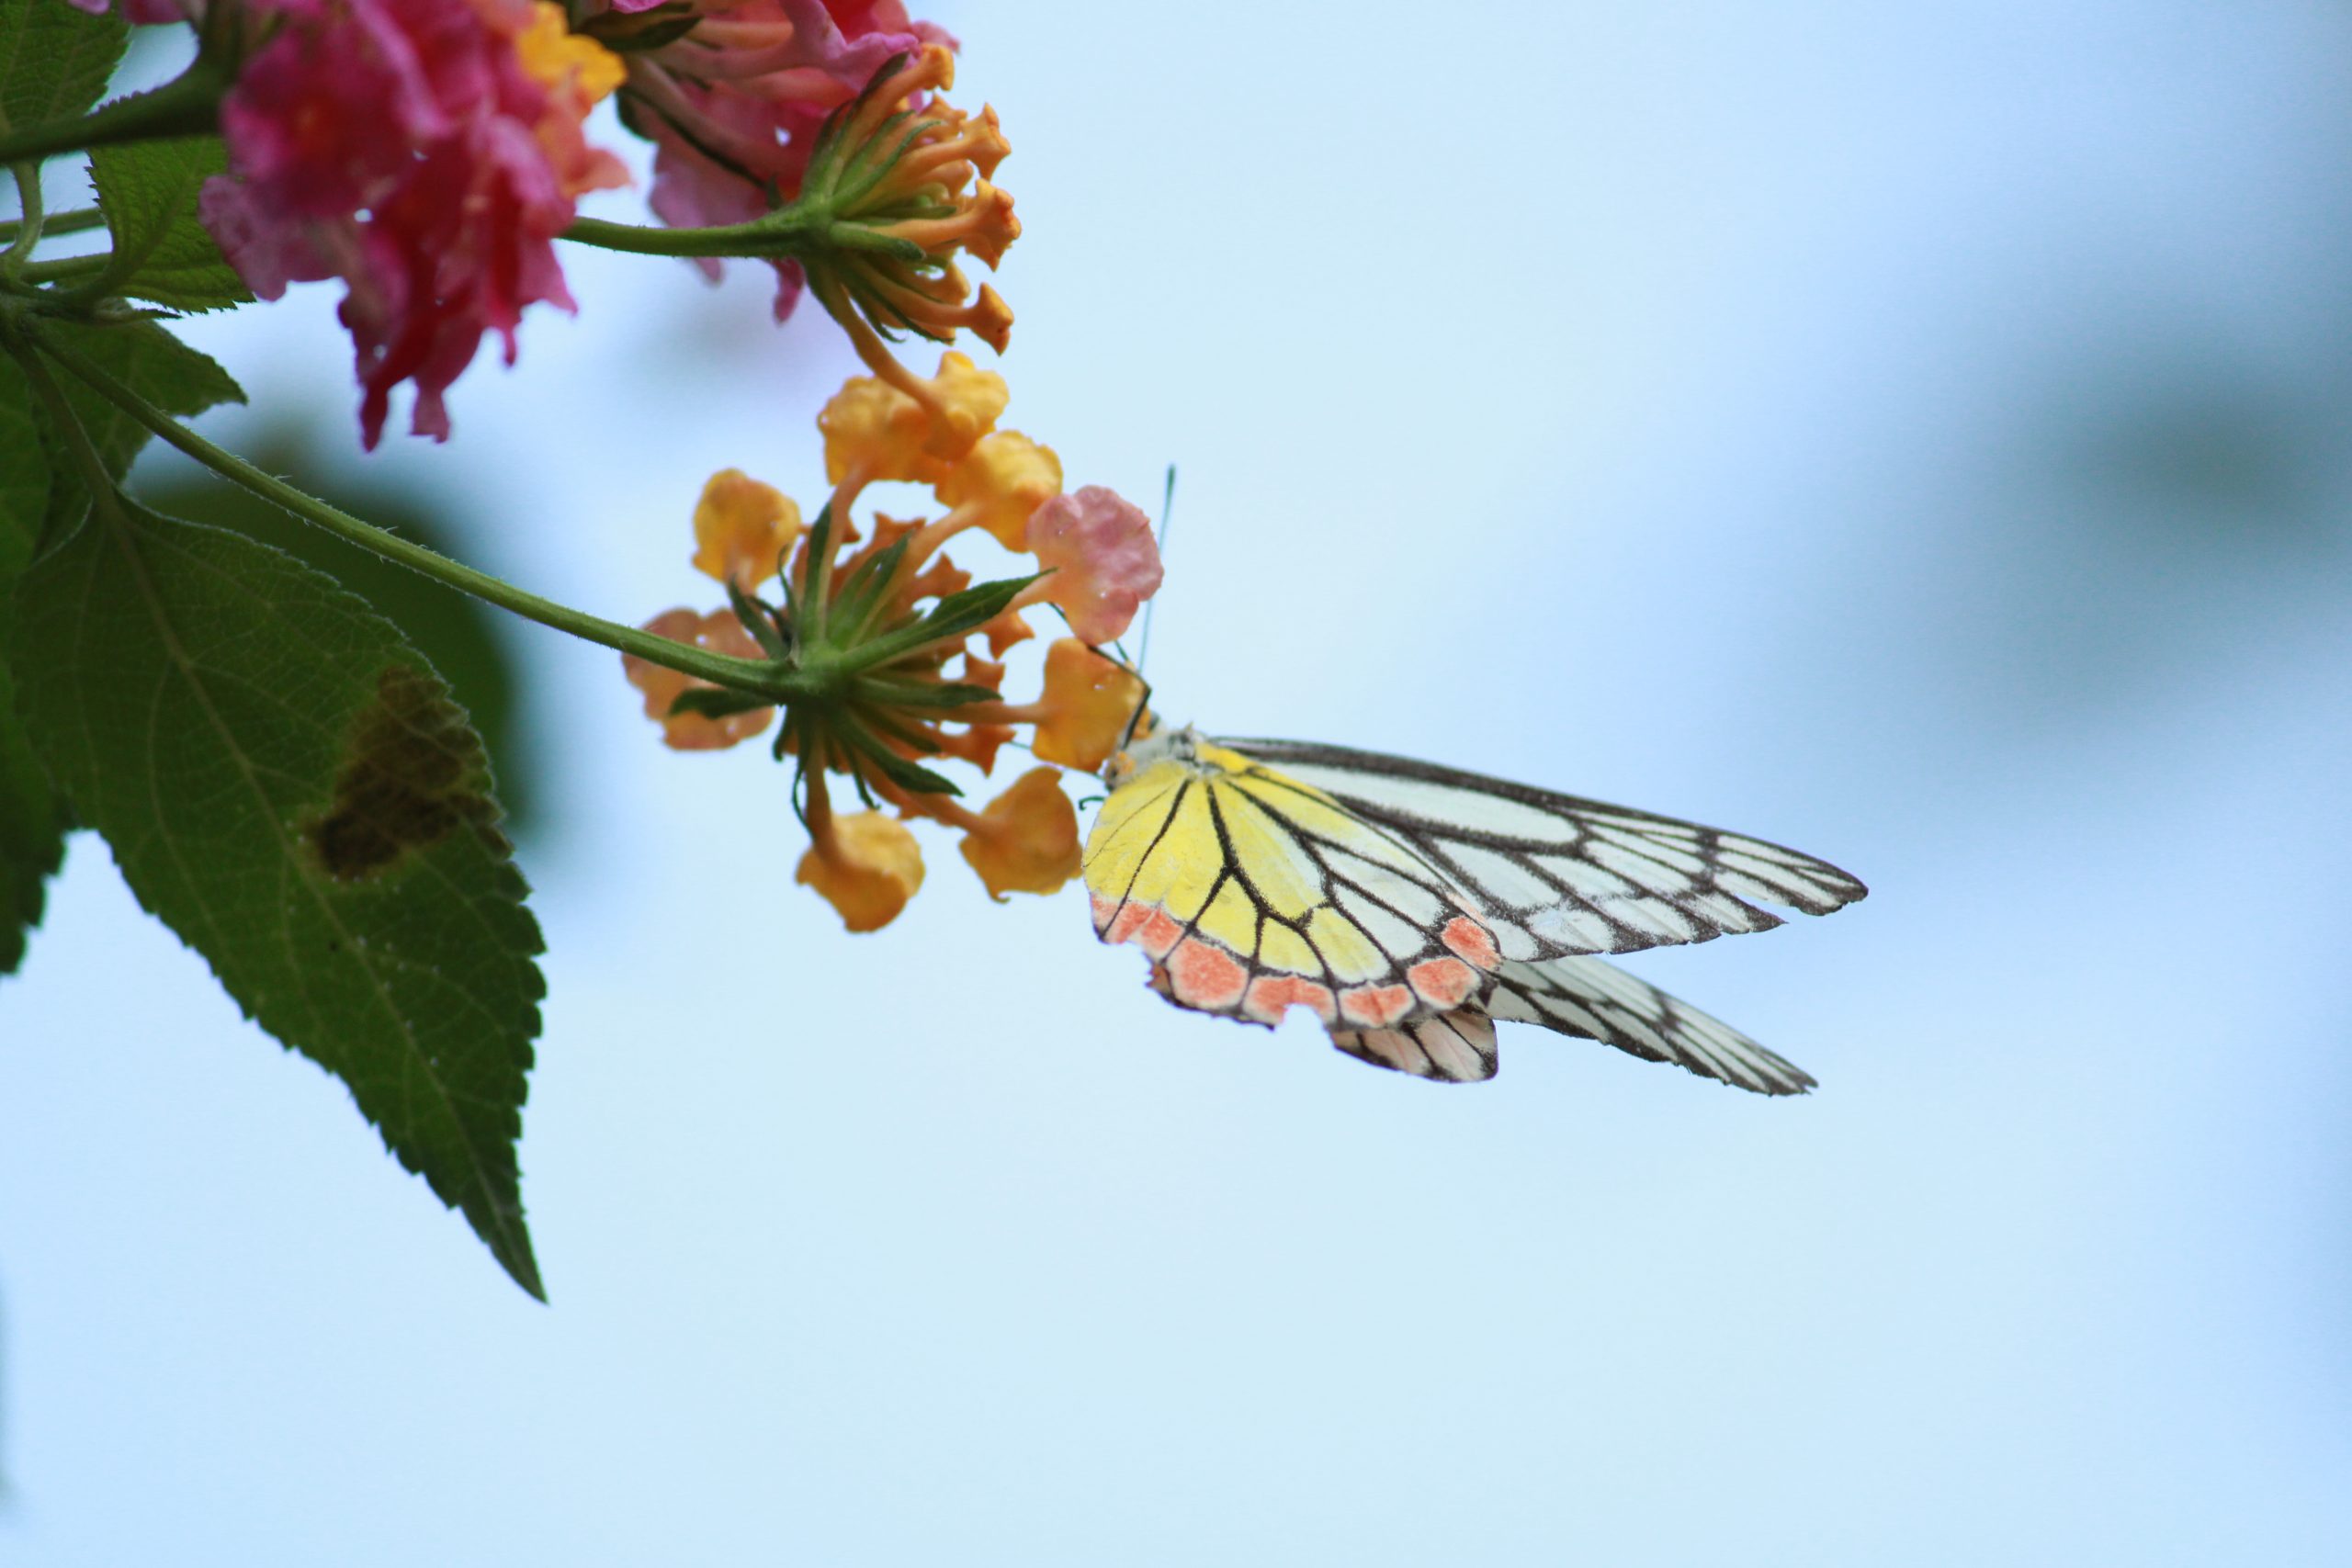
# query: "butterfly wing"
1557, 875
1252, 893
1451, 1047
1409, 906
1581, 997
1594, 1000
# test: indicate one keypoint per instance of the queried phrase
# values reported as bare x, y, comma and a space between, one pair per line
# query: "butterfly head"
1143, 726
1152, 745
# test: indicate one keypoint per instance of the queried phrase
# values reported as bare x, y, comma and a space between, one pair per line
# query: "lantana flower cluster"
914, 209
429, 153
883, 658
732, 96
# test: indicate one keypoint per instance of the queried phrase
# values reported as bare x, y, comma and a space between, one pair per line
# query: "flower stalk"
719, 670
896, 186
188, 104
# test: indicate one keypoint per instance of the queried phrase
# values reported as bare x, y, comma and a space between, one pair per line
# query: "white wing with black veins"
1557, 875
1594, 1000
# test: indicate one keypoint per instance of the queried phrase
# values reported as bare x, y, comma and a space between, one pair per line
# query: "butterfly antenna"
1167, 504
1143, 706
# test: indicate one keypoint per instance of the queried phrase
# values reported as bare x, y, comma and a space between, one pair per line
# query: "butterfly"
1409, 906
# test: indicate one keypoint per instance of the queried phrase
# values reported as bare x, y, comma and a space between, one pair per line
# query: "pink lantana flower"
1104, 562
427, 152
733, 106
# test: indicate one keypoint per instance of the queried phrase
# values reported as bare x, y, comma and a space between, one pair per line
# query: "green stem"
105, 500
56, 223
64, 268
27, 177
188, 104
742, 674
788, 231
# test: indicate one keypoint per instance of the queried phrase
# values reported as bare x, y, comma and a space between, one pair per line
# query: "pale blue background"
1916, 433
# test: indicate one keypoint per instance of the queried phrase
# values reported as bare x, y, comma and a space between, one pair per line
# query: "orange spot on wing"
1126, 920
1443, 982
1373, 1006
1105, 907
1160, 933
1207, 975
1472, 941
1274, 995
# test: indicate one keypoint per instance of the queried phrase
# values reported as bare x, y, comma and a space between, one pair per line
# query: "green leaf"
151, 361
907, 775
758, 618
974, 607
32, 819
147, 190
801, 602
474, 647
32, 829
922, 694
860, 594
287, 785
24, 471
623, 34
712, 702
956, 615
54, 60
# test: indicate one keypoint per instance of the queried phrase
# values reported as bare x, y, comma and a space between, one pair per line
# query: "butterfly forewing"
1558, 876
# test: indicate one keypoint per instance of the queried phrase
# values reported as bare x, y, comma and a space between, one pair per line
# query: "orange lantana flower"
718, 632
867, 865
1005, 477
1088, 703
742, 529
1025, 840
875, 431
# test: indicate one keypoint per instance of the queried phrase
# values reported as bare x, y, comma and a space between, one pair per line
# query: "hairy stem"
63, 269
742, 674
55, 223
188, 104
28, 232
788, 231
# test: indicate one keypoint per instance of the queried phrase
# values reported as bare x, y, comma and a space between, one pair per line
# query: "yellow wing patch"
1253, 893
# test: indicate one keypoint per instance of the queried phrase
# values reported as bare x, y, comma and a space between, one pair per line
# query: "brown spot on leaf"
412, 775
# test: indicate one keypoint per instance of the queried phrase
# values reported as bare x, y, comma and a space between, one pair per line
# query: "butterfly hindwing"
1594, 1000
1252, 893
1556, 874
1452, 1047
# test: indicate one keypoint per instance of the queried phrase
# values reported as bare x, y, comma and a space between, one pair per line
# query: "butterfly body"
1407, 905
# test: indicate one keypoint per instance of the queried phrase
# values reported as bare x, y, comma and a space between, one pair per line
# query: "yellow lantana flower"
867, 865
742, 529
1025, 840
1003, 479
1087, 703
551, 51
874, 429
